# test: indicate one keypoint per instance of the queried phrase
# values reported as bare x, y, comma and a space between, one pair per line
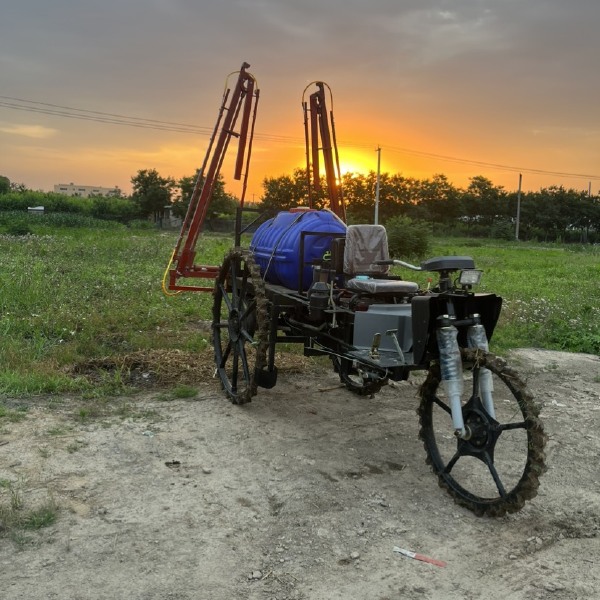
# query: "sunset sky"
459, 87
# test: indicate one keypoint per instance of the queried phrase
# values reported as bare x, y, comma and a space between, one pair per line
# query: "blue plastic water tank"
276, 245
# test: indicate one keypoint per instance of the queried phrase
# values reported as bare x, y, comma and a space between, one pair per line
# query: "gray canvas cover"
366, 244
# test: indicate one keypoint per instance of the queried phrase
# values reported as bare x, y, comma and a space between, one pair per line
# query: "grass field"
68, 295
551, 293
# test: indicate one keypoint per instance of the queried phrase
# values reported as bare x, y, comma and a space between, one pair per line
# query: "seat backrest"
365, 244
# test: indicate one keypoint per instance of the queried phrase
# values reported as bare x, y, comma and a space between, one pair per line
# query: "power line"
70, 112
99, 119
95, 112
489, 164
118, 119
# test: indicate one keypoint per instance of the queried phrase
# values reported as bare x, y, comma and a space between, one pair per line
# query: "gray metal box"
380, 318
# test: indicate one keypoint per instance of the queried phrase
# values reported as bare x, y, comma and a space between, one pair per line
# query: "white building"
84, 191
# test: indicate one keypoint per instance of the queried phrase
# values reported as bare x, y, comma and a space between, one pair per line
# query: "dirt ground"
301, 494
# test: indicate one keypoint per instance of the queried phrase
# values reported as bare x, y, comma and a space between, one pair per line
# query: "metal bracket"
392, 333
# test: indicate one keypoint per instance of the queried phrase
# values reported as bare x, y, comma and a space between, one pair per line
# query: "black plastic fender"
426, 310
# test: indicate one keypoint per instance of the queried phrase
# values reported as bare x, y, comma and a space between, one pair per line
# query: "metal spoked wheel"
497, 469
355, 379
239, 326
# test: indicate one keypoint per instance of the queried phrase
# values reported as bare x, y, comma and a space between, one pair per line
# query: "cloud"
38, 132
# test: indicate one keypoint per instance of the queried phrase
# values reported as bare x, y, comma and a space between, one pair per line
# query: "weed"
15, 517
58, 431
129, 411
74, 447
185, 391
40, 517
13, 416
90, 411
16, 497
18, 538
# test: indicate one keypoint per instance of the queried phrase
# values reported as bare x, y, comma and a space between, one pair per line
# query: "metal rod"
518, 207
378, 150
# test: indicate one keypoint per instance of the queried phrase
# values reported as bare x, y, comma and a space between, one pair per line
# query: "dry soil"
301, 494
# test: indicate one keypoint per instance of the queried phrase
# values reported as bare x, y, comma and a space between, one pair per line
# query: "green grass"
184, 391
550, 292
75, 294
85, 294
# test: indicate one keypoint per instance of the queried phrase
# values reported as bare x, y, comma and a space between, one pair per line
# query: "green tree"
4, 184
590, 217
18, 187
359, 196
152, 193
221, 202
285, 192
438, 200
117, 192
556, 213
485, 203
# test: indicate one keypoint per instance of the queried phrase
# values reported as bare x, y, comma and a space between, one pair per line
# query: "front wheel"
497, 469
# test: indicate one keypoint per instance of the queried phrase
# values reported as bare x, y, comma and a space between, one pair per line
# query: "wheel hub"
234, 325
483, 431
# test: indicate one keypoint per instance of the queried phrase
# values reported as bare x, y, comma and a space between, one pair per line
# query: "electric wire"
11, 102
47, 108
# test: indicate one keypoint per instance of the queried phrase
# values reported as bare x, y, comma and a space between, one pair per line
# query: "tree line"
151, 195
482, 209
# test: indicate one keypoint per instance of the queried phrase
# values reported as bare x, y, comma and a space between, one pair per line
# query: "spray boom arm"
319, 124
242, 101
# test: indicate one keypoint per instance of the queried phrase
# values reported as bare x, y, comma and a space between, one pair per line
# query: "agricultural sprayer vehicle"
307, 278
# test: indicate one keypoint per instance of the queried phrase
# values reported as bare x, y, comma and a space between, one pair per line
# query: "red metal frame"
318, 123
244, 99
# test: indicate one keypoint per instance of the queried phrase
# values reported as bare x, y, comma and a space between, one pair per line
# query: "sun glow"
356, 164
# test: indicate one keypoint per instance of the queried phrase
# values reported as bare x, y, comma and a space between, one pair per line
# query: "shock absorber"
477, 338
451, 371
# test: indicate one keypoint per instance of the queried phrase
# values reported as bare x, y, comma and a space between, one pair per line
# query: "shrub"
407, 237
62, 219
14, 223
49, 200
117, 209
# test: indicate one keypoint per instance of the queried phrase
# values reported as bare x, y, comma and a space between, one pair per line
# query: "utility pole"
518, 206
378, 150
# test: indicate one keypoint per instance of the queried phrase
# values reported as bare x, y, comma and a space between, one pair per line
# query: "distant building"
85, 191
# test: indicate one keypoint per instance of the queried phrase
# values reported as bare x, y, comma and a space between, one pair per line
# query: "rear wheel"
239, 326
497, 469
